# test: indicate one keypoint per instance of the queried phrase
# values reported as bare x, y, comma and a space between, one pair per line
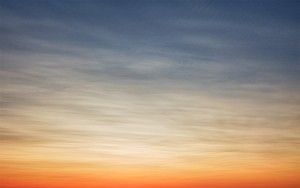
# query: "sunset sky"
149, 94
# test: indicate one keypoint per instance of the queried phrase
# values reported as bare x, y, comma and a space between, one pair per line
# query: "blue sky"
238, 42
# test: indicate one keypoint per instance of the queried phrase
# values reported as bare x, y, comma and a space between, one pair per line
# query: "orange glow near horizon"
138, 155
77, 181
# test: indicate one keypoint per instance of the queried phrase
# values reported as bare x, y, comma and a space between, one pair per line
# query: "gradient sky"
160, 94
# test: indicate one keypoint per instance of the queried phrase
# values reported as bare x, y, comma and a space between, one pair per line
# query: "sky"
140, 94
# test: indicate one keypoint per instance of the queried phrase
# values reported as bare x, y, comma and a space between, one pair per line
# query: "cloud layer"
149, 89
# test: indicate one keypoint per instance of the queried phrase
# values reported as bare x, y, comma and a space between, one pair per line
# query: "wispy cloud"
160, 88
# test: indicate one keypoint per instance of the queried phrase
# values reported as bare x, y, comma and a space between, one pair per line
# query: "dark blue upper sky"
205, 44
